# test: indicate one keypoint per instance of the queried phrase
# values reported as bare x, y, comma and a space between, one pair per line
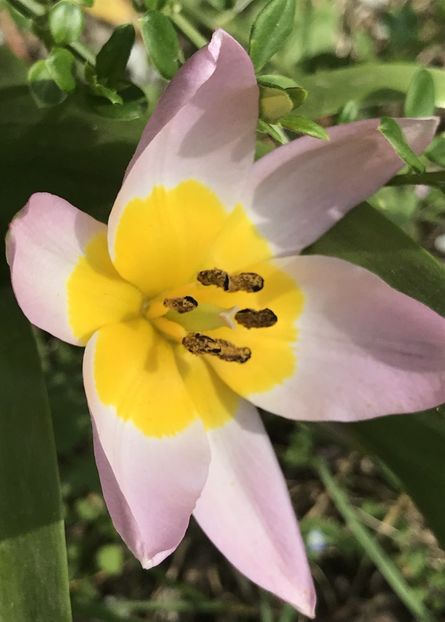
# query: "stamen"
249, 318
214, 277
246, 282
183, 304
231, 353
197, 343
243, 282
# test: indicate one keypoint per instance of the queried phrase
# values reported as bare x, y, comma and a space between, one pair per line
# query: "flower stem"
187, 28
31, 7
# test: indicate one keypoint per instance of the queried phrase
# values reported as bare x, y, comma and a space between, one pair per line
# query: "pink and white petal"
210, 139
245, 510
150, 481
44, 243
302, 189
192, 75
363, 349
121, 514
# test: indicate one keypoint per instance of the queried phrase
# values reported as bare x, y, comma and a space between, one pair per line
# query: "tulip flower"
195, 308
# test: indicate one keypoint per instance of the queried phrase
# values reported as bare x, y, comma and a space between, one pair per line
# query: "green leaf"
330, 90
303, 125
60, 65
349, 112
43, 87
113, 57
132, 104
269, 31
393, 133
161, 42
411, 446
421, 96
33, 569
65, 22
271, 130
296, 93
100, 90
372, 548
274, 103
436, 151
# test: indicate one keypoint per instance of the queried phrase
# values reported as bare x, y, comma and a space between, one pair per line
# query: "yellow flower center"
203, 282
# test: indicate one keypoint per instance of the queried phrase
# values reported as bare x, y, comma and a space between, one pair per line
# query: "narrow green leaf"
112, 59
349, 112
373, 549
330, 90
33, 570
421, 96
434, 178
274, 103
275, 79
60, 65
436, 151
65, 22
271, 130
303, 125
269, 31
43, 87
161, 42
393, 133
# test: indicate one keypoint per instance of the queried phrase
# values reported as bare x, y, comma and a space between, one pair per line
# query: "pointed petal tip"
148, 562
222, 38
303, 599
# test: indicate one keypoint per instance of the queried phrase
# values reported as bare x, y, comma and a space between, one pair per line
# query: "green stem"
32, 8
187, 28
227, 16
372, 548
81, 51
436, 178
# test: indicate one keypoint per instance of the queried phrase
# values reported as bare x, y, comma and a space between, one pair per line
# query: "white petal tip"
147, 564
304, 600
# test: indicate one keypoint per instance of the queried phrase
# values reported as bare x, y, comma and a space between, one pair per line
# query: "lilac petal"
245, 510
363, 349
302, 189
